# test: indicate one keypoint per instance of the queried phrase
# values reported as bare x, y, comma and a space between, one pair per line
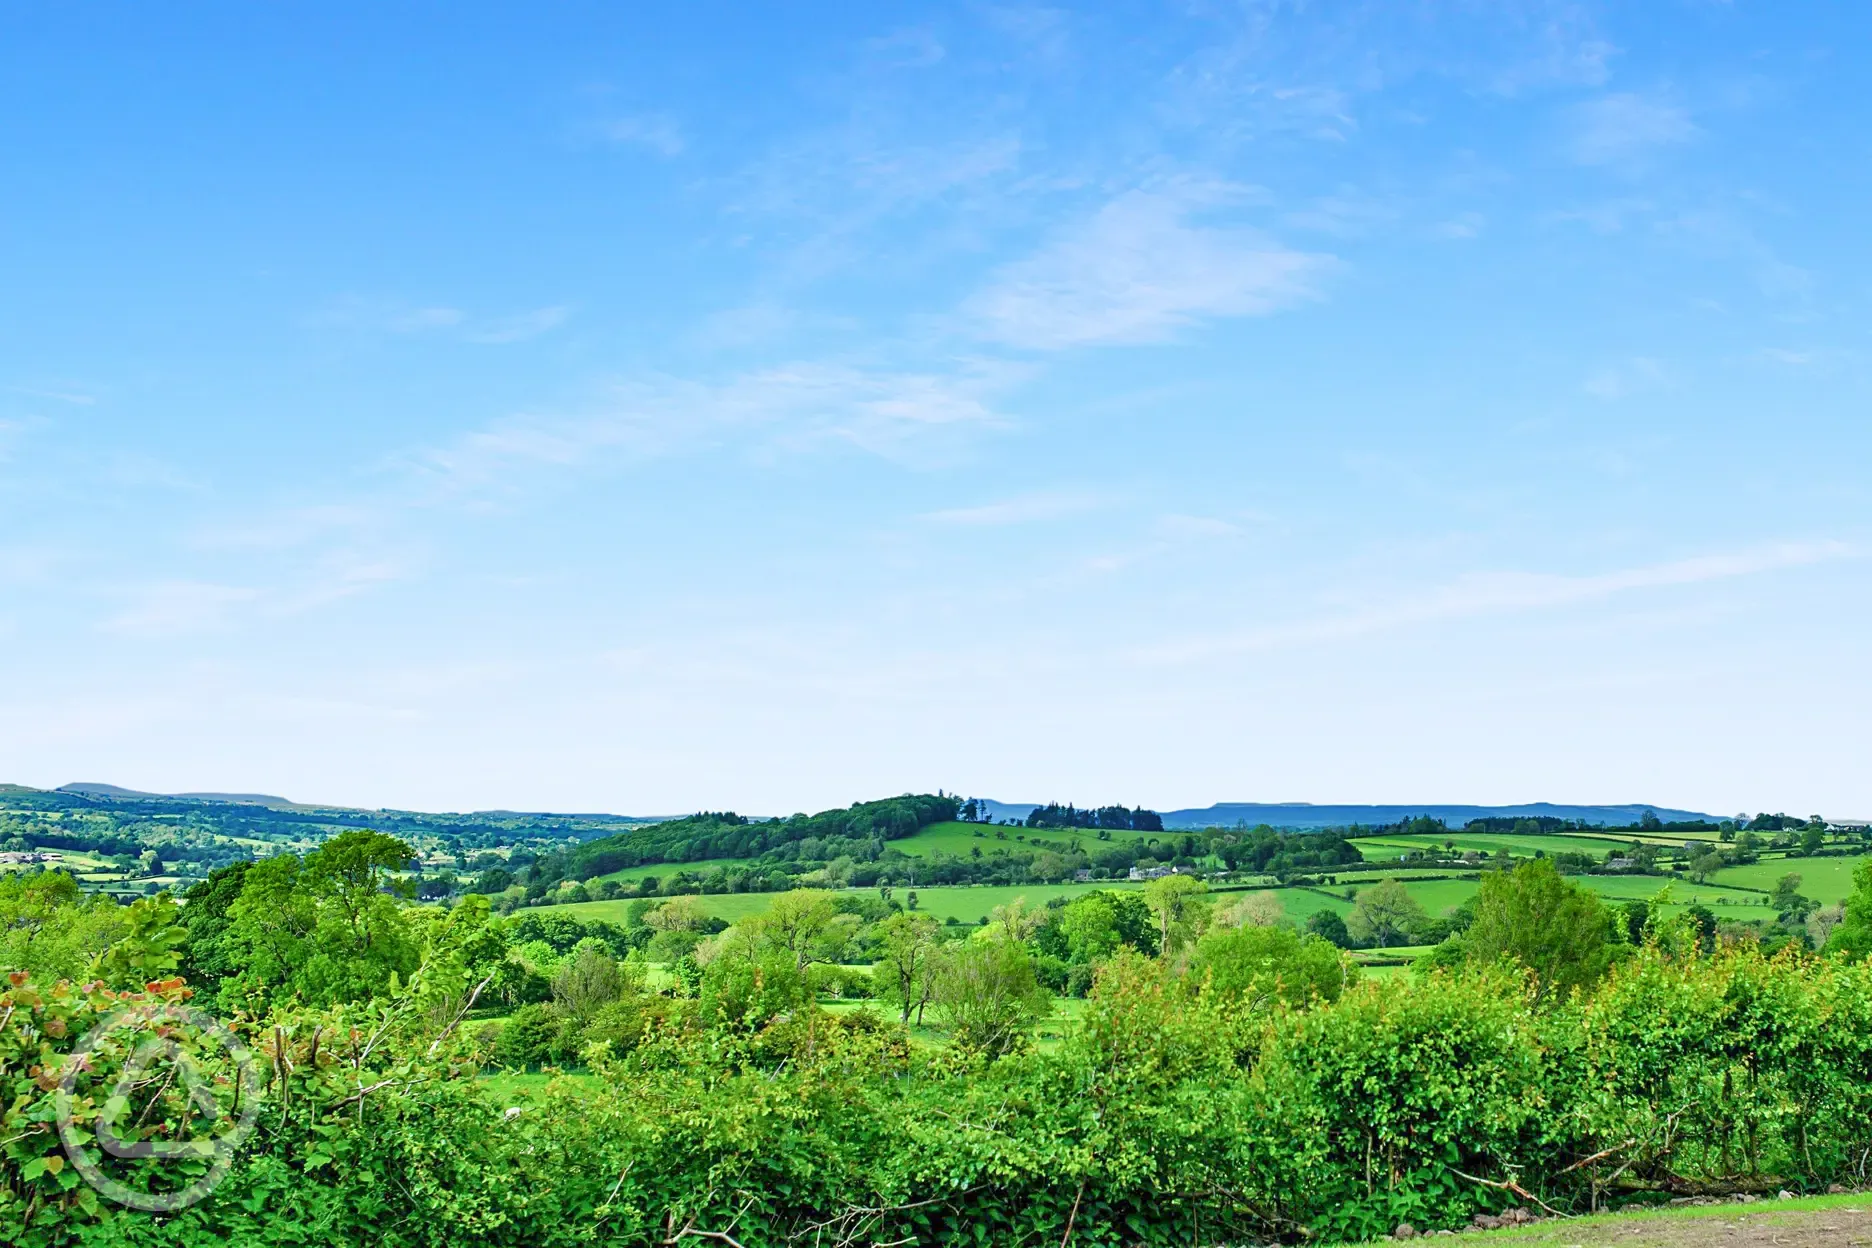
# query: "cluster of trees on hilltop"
1264, 849
1111, 818
728, 835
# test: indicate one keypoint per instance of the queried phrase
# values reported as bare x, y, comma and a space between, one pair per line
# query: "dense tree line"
1111, 818
727, 835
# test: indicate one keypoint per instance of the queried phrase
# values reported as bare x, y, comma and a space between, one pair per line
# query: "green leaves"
1167, 1117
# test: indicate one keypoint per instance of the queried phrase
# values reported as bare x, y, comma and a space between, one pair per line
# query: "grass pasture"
957, 839
966, 904
1524, 844
1826, 880
663, 870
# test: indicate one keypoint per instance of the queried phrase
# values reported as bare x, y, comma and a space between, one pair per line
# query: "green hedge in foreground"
1166, 1120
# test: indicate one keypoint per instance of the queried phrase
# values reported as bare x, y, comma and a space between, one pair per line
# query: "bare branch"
1509, 1185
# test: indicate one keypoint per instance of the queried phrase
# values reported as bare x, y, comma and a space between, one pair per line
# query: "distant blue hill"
1307, 815
119, 792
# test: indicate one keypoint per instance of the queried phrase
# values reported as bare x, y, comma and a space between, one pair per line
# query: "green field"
1826, 880
730, 906
1376, 848
955, 839
966, 904
959, 839
663, 870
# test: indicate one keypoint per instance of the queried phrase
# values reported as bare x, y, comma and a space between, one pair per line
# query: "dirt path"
1831, 1225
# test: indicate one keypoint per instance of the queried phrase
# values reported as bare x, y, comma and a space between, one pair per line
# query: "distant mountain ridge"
1307, 815
1222, 814
115, 790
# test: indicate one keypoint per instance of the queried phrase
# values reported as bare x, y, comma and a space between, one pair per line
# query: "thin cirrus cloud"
173, 608
1501, 592
888, 412
520, 327
654, 132
1625, 126
1026, 509
379, 316
1139, 270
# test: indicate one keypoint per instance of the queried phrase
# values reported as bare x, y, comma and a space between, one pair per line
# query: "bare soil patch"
1834, 1225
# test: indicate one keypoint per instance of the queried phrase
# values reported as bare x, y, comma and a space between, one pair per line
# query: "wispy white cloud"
1492, 593
391, 317
889, 412
74, 397
520, 327
421, 320
11, 431
1638, 375
1139, 270
911, 48
1181, 528
174, 608
288, 527
25, 563
1625, 126
1027, 508
1462, 225
656, 132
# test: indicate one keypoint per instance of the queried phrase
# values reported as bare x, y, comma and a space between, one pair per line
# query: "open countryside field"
960, 838
956, 839
663, 869
964, 904
1523, 844
1826, 880
971, 903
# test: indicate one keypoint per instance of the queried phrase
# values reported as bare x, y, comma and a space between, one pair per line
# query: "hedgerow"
1171, 1116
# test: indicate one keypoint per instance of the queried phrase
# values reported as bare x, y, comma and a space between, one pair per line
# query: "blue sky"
647, 408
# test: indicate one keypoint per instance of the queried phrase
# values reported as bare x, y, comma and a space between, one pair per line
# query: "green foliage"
323, 928
905, 974
1561, 932
1386, 914
1258, 967
1853, 938
1330, 927
150, 948
1392, 1092
1094, 926
986, 996
749, 991
1246, 1088
1179, 906
731, 836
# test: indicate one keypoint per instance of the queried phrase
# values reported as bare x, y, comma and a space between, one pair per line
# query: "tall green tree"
1385, 914
1852, 939
52, 928
327, 928
1177, 902
986, 995
905, 972
1259, 966
1560, 931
